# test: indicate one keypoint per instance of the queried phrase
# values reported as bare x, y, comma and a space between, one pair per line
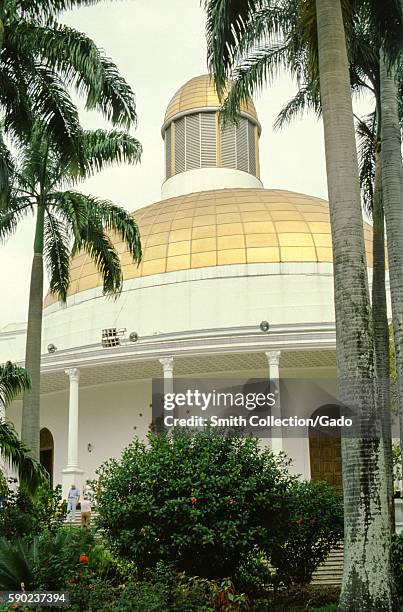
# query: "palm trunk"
381, 330
366, 576
392, 198
31, 400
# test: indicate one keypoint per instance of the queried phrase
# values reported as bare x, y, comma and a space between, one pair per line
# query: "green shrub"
49, 507
199, 501
315, 527
299, 598
255, 574
141, 596
92, 593
165, 590
23, 515
397, 562
17, 518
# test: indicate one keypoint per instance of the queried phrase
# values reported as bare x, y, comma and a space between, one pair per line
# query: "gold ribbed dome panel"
200, 92
223, 227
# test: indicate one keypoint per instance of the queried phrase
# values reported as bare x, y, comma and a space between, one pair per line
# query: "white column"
168, 368
72, 473
273, 359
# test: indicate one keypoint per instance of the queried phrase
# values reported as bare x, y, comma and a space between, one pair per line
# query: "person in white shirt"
86, 513
73, 498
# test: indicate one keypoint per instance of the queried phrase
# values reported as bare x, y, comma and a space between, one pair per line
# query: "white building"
221, 255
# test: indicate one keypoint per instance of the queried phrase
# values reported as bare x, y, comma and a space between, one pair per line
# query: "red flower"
83, 559
193, 500
72, 581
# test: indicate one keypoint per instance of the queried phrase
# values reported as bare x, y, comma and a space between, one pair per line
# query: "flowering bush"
199, 501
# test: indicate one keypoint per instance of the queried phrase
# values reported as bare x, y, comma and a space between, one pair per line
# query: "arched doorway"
47, 452
325, 448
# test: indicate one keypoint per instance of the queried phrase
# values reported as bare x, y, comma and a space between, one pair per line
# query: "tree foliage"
41, 61
73, 221
205, 503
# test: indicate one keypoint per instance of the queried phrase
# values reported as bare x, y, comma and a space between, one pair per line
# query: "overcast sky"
159, 45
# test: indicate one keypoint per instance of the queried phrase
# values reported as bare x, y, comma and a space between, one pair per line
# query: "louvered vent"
180, 145
228, 145
238, 146
192, 141
252, 148
195, 144
242, 145
208, 140
168, 156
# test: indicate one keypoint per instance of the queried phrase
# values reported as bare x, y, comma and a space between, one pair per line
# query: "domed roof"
222, 227
198, 93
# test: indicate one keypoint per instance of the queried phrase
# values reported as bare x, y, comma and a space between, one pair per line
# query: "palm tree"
369, 150
13, 381
365, 75
40, 60
233, 27
67, 221
392, 190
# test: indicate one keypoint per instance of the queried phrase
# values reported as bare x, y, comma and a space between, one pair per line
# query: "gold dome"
200, 92
222, 227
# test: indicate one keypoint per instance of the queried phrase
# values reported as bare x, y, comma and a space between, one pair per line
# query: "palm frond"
43, 9
69, 53
116, 101
13, 381
16, 564
10, 215
386, 19
251, 75
6, 170
52, 104
226, 23
103, 148
57, 255
14, 99
31, 473
32, 161
117, 220
69, 206
100, 248
366, 149
307, 98
76, 59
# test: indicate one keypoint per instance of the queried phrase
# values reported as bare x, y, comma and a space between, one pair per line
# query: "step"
331, 571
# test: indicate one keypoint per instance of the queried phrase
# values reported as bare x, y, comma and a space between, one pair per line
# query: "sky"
158, 45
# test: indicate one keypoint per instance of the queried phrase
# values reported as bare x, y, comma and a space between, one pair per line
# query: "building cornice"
248, 339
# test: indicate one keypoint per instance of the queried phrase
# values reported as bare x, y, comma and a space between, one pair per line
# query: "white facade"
95, 399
